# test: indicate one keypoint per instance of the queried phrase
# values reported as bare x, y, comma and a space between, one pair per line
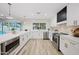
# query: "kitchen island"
21, 36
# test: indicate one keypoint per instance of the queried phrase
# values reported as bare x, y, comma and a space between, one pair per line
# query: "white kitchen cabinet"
23, 38
36, 34
63, 46
68, 46
50, 35
73, 14
26, 37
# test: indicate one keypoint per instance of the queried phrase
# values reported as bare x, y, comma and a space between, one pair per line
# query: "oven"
8, 46
56, 40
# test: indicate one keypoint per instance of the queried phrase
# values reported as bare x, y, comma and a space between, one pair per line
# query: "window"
38, 26
42, 25
6, 26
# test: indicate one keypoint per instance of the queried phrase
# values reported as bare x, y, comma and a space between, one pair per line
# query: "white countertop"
9, 36
71, 37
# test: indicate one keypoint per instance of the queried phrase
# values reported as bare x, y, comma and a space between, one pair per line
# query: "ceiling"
31, 10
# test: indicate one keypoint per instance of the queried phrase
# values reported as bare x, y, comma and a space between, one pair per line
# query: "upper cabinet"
73, 14
67, 15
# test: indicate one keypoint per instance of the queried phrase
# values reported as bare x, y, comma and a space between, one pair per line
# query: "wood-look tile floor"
39, 47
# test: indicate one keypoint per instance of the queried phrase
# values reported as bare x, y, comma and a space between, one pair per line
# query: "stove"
56, 40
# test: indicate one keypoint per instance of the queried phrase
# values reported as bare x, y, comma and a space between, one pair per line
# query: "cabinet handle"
66, 45
75, 22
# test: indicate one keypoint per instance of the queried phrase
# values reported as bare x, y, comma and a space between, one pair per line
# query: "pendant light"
9, 17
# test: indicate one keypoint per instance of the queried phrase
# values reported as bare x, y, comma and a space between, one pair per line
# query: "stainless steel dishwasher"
45, 35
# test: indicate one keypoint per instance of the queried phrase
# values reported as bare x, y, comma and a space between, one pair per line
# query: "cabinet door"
21, 39
26, 37
63, 46
73, 14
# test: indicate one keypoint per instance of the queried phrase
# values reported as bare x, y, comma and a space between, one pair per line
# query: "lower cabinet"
63, 46
37, 35
69, 47
23, 38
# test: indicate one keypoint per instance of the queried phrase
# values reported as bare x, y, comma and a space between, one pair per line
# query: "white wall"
54, 18
28, 23
53, 21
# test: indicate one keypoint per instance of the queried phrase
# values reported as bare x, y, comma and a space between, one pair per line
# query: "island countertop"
9, 36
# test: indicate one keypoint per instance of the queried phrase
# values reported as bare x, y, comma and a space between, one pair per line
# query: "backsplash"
64, 28
67, 29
